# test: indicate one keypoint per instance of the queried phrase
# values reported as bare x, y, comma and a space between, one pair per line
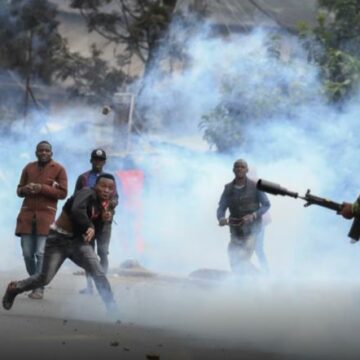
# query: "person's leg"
40, 241
89, 289
54, 256
84, 256
38, 293
260, 252
102, 246
240, 250
28, 251
234, 253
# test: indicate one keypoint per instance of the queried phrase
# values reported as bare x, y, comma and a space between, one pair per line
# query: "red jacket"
42, 206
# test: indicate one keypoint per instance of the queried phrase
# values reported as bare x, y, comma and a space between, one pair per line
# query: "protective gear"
223, 222
347, 210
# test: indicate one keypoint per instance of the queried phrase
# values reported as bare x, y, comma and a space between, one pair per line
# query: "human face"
97, 164
43, 153
240, 170
105, 188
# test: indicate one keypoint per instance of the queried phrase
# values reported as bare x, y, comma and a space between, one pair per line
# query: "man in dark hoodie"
83, 215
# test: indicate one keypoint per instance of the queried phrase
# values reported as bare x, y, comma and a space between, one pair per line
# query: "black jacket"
84, 210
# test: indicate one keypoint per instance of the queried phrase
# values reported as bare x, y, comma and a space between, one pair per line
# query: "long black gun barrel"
276, 189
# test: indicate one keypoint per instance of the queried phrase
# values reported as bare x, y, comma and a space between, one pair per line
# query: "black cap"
98, 154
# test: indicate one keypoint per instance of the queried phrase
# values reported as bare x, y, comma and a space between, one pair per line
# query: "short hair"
106, 176
240, 161
44, 142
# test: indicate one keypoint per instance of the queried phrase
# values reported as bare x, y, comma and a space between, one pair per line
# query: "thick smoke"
302, 142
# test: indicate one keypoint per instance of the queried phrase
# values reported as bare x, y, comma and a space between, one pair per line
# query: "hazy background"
309, 300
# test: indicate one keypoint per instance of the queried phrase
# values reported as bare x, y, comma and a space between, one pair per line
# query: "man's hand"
31, 188
249, 218
346, 211
36, 188
112, 203
223, 222
106, 216
27, 189
89, 234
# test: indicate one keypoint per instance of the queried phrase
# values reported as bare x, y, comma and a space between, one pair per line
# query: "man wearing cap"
246, 205
88, 179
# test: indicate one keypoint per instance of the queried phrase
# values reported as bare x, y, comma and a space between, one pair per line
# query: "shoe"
36, 294
86, 291
10, 295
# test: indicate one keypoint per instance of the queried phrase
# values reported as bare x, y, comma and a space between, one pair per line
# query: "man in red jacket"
42, 184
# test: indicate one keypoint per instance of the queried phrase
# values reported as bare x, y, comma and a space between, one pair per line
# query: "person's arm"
79, 210
264, 204
79, 184
222, 207
58, 190
22, 189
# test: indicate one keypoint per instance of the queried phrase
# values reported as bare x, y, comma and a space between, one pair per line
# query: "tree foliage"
252, 94
92, 78
29, 39
137, 26
335, 45
32, 47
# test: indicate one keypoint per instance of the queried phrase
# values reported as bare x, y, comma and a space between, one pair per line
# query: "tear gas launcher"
276, 189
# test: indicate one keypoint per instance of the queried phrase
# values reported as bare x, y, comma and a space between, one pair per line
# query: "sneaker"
86, 291
10, 295
37, 294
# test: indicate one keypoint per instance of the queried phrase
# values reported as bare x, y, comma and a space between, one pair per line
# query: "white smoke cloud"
306, 143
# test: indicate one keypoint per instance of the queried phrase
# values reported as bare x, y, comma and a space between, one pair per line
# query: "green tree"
30, 43
334, 44
32, 47
139, 27
251, 95
92, 79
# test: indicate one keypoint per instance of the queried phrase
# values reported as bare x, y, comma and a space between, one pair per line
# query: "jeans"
102, 246
33, 247
102, 249
58, 248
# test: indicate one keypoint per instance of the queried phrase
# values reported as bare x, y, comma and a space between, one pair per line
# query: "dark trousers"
102, 249
60, 247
